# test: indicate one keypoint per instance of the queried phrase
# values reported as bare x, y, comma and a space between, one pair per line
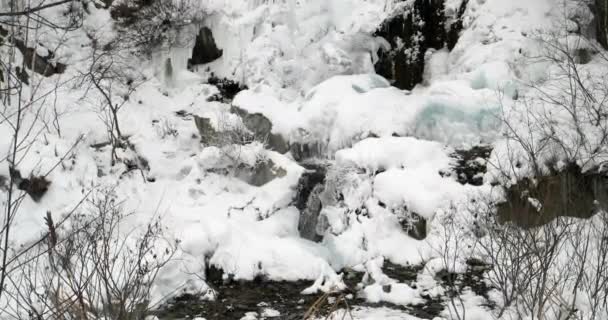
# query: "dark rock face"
308, 200
601, 19
205, 50
566, 193
411, 31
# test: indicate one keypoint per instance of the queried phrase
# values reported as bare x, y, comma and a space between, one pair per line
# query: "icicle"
169, 77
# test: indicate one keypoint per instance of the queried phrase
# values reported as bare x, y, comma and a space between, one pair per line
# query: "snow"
309, 69
418, 190
392, 152
409, 172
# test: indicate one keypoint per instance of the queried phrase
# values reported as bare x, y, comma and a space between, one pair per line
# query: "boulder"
261, 127
260, 174
415, 226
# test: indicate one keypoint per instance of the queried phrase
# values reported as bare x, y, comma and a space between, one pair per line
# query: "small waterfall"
168, 75
171, 61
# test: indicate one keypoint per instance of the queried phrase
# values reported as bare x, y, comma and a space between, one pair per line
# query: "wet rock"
309, 217
255, 122
600, 10
303, 151
205, 129
205, 50
411, 31
34, 186
261, 127
262, 173
37, 63
308, 200
565, 193
471, 164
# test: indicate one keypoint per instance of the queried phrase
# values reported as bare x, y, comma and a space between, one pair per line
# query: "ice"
309, 69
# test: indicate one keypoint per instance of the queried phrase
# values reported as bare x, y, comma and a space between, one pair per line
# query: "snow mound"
408, 172
392, 152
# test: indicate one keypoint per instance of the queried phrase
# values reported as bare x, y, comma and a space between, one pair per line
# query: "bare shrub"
90, 268
456, 246
335, 307
540, 272
562, 117
149, 25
